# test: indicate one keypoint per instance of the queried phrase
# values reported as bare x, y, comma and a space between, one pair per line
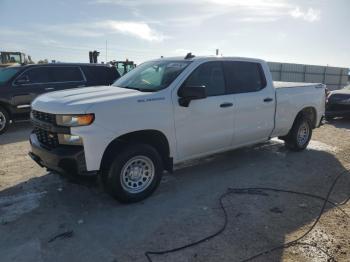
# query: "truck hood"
78, 100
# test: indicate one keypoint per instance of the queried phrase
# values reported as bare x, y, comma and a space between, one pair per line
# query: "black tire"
291, 140
112, 176
4, 119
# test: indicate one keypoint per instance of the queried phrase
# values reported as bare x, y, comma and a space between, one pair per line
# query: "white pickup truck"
167, 111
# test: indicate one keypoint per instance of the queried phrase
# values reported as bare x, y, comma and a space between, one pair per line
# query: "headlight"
72, 140
75, 120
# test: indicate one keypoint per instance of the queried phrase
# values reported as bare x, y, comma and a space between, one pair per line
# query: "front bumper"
338, 108
62, 159
337, 113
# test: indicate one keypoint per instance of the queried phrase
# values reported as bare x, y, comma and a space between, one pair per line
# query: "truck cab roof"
210, 58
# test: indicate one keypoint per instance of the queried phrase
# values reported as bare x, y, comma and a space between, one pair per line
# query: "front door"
28, 85
206, 125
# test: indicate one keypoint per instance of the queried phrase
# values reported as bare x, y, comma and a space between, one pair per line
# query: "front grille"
46, 138
44, 117
338, 107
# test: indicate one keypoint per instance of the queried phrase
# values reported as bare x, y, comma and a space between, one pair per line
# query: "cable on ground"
260, 191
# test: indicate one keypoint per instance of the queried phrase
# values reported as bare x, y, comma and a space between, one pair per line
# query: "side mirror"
22, 80
188, 93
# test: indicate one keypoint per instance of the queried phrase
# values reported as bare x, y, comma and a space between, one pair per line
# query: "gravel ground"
36, 206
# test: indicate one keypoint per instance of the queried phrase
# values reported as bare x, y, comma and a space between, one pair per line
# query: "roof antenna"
189, 56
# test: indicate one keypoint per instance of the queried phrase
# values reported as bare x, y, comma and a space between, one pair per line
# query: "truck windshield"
152, 76
7, 73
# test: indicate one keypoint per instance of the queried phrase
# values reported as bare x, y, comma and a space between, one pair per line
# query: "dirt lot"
35, 206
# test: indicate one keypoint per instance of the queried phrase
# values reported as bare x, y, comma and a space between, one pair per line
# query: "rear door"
100, 75
66, 77
113, 75
254, 101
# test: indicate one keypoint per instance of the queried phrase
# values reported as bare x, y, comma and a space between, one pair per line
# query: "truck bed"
279, 84
291, 98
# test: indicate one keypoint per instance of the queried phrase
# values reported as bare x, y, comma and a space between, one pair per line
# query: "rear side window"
100, 75
211, 76
66, 74
39, 75
244, 77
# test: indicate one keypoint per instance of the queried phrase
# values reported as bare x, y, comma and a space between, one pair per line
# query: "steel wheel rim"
303, 134
137, 174
2, 121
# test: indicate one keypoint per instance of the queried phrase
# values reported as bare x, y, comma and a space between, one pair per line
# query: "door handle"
268, 99
49, 88
226, 105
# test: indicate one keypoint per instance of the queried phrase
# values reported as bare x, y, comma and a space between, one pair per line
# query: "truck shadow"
17, 132
185, 208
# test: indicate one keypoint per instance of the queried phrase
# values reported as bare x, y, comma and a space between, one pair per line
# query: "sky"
296, 31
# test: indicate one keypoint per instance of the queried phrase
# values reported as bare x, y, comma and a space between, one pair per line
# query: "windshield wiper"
139, 89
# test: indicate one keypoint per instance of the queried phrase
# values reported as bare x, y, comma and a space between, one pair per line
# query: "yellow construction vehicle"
12, 58
123, 66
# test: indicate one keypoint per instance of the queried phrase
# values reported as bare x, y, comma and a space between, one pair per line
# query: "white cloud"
311, 15
255, 4
235, 3
73, 30
137, 29
253, 11
258, 19
140, 30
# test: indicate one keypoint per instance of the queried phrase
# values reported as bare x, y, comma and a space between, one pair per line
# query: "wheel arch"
155, 138
6, 107
309, 113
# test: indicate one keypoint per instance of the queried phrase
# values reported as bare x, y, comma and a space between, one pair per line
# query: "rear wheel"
4, 120
134, 173
300, 135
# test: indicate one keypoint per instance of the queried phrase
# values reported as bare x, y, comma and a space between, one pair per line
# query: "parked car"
338, 103
20, 85
167, 111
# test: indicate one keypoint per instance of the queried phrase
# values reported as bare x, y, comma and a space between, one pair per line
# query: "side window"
210, 75
244, 77
100, 75
38, 75
66, 74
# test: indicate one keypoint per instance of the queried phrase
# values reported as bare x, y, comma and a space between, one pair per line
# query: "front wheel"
4, 120
134, 173
299, 136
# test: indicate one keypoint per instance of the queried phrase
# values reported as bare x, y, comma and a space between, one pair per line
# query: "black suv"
20, 85
338, 103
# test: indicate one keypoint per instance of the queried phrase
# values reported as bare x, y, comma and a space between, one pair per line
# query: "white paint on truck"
214, 124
